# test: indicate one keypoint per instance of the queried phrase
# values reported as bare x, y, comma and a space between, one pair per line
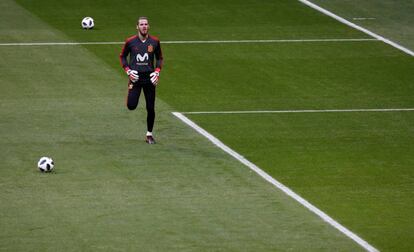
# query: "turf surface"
391, 19
110, 191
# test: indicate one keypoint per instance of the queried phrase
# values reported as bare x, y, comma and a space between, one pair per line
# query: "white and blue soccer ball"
45, 164
87, 23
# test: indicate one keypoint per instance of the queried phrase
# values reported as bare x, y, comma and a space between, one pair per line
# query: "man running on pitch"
143, 69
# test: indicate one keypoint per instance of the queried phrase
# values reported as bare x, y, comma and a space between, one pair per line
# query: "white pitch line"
276, 183
300, 111
363, 18
268, 41
60, 43
194, 42
344, 21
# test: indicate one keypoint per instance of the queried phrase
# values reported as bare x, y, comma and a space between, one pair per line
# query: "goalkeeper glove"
155, 76
133, 75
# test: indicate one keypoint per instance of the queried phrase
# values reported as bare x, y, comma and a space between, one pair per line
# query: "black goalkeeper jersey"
141, 54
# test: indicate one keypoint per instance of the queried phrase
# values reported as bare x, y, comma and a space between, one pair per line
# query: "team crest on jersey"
150, 48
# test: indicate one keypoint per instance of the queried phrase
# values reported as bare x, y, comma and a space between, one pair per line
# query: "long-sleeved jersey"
141, 54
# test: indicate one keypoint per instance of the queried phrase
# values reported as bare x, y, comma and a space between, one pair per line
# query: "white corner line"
196, 42
344, 21
276, 183
300, 111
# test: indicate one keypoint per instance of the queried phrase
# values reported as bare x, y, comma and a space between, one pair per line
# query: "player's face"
143, 27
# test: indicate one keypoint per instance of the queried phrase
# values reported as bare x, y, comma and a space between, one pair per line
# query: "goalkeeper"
143, 68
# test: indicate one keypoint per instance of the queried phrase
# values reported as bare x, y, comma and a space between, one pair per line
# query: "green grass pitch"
111, 191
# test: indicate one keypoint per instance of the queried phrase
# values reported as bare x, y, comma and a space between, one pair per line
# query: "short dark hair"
140, 18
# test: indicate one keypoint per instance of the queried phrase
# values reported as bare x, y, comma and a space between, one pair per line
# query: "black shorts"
134, 92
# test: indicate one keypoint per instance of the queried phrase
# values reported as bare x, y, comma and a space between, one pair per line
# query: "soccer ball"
87, 23
45, 164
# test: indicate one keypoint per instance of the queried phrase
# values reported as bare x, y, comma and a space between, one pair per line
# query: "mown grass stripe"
300, 111
276, 183
193, 42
